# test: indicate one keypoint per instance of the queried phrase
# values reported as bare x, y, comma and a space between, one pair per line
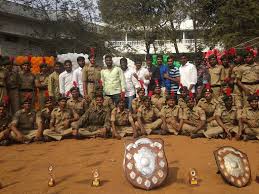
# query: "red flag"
100, 83
67, 94
29, 58
46, 93
232, 51
172, 93
43, 60
141, 83
190, 94
92, 51
228, 91
157, 82
257, 92
208, 86
75, 84
5, 100
150, 93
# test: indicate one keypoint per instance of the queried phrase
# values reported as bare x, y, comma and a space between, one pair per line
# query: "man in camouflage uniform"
91, 74
157, 99
138, 102
53, 81
41, 83
95, 121
228, 87
227, 119
23, 125
12, 86
248, 75
170, 116
5, 119
3, 73
148, 117
181, 98
61, 119
107, 101
192, 118
250, 119
217, 75
44, 116
209, 104
27, 83
77, 103
122, 121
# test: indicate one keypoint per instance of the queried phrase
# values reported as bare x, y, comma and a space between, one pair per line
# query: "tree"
139, 17
67, 24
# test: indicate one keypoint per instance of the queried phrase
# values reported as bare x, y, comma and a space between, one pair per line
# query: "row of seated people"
182, 115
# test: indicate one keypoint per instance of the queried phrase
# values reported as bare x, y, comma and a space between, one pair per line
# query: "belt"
251, 83
216, 86
91, 82
26, 90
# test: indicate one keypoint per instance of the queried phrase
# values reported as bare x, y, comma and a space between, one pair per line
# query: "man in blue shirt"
165, 83
173, 75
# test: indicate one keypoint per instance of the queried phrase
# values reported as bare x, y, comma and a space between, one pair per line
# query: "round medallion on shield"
233, 166
145, 164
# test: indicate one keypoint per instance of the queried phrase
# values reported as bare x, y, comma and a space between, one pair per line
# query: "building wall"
14, 46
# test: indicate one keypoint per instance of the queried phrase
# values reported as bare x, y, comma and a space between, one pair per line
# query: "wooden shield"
145, 163
233, 166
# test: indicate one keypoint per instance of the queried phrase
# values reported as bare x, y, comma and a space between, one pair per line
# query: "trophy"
193, 177
96, 180
51, 182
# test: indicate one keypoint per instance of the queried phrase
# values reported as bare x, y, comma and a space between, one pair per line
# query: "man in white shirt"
188, 74
77, 74
131, 82
142, 73
66, 79
113, 80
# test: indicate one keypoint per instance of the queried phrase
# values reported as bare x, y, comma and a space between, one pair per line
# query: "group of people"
216, 97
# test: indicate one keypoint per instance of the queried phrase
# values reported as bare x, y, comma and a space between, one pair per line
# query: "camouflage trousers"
149, 127
13, 95
4, 134
251, 131
124, 130
171, 125
91, 131
216, 131
90, 90
28, 134
58, 134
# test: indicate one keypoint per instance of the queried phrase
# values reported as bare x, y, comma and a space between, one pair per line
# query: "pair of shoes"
249, 137
197, 135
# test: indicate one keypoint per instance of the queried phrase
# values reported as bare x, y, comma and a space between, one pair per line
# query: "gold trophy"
51, 182
193, 177
96, 180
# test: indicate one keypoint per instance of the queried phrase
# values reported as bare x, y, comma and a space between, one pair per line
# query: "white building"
185, 42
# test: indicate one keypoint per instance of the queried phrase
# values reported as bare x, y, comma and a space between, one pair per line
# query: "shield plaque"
233, 166
145, 163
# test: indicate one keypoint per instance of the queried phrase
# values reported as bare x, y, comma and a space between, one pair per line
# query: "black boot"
197, 135
249, 137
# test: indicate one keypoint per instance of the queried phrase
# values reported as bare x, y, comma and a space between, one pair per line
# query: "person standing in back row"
113, 80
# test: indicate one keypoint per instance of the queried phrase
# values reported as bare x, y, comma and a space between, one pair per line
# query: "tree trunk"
174, 39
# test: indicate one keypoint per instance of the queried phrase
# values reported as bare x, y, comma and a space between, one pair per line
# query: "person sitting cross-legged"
122, 121
95, 121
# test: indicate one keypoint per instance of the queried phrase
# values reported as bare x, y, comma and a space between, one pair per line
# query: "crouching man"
95, 122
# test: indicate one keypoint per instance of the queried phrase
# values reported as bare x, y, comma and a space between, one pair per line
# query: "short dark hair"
74, 88
80, 58
160, 56
67, 61
108, 56
123, 59
148, 57
58, 63
43, 65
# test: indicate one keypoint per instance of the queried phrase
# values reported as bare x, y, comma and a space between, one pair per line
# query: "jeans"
115, 98
129, 102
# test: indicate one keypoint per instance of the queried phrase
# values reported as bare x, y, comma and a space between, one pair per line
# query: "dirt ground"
24, 168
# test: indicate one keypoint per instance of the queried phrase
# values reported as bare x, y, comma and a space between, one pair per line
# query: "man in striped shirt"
173, 75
